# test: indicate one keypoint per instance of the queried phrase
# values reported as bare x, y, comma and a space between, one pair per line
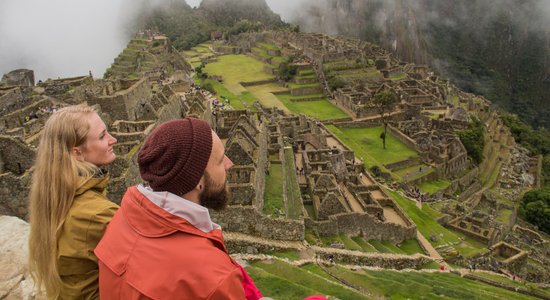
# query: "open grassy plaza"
367, 144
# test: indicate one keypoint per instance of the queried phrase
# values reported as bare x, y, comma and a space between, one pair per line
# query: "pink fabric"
315, 298
250, 289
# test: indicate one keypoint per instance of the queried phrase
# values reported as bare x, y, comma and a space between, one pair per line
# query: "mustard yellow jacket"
85, 224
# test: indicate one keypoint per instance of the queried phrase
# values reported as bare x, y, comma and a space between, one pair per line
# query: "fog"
63, 38
66, 38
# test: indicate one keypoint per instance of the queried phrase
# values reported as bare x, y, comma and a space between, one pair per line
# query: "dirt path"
391, 216
353, 202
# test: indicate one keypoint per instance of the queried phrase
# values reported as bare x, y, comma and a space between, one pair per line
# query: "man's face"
214, 195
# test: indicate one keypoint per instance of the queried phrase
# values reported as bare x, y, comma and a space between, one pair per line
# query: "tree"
535, 207
384, 103
473, 140
287, 70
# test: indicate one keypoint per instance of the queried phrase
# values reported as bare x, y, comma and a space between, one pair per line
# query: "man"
161, 244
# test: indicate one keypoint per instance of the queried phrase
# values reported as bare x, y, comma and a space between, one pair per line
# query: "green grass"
414, 285
311, 237
278, 286
264, 94
303, 278
273, 197
434, 186
323, 109
243, 100
299, 86
398, 76
293, 196
237, 68
350, 244
290, 254
423, 218
509, 282
380, 246
411, 247
366, 143
504, 215
366, 246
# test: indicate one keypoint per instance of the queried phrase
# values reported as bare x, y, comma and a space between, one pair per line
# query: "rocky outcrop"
15, 281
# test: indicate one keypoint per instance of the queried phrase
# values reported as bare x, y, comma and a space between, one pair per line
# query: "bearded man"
162, 244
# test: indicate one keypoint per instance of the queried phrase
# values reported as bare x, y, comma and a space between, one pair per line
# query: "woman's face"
98, 147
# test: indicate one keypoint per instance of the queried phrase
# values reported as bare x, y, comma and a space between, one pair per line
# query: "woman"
68, 207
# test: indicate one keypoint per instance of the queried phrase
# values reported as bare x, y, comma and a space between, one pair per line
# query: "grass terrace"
237, 68
431, 187
281, 280
324, 110
293, 196
358, 243
415, 285
425, 220
273, 197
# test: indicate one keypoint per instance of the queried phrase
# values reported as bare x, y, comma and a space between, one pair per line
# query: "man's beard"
213, 196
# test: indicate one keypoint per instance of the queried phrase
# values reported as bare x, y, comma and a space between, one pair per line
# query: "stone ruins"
326, 188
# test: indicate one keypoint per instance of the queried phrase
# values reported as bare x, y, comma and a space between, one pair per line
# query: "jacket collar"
150, 220
96, 183
194, 213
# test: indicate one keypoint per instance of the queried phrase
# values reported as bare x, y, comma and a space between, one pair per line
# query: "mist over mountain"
501, 51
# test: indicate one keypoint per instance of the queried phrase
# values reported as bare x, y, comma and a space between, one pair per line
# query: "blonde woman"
68, 207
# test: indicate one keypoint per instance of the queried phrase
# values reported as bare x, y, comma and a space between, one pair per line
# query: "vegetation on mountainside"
187, 27
536, 141
535, 207
473, 140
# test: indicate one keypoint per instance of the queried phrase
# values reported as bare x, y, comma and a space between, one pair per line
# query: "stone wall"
12, 99
403, 138
386, 261
14, 192
248, 220
402, 164
15, 156
357, 224
126, 104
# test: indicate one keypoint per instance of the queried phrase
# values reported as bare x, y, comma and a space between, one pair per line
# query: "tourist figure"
162, 243
68, 208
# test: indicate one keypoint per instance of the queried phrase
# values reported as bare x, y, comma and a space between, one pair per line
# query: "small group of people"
160, 243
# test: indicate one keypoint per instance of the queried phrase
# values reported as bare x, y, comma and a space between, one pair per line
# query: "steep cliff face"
499, 50
227, 12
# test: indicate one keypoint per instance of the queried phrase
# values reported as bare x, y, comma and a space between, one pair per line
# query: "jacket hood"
150, 220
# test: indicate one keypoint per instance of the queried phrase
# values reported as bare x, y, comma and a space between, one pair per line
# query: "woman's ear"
77, 153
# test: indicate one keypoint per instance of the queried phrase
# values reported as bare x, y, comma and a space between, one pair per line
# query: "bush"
209, 87
535, 207
336, 83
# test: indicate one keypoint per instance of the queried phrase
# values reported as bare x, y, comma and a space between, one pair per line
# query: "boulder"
19, 77
15, 281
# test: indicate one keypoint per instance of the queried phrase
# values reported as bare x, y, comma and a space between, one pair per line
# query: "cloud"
63, 38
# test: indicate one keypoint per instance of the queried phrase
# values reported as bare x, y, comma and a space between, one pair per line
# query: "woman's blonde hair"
57, 176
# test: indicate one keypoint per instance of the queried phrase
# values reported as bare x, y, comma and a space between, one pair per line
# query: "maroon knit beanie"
174, 156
